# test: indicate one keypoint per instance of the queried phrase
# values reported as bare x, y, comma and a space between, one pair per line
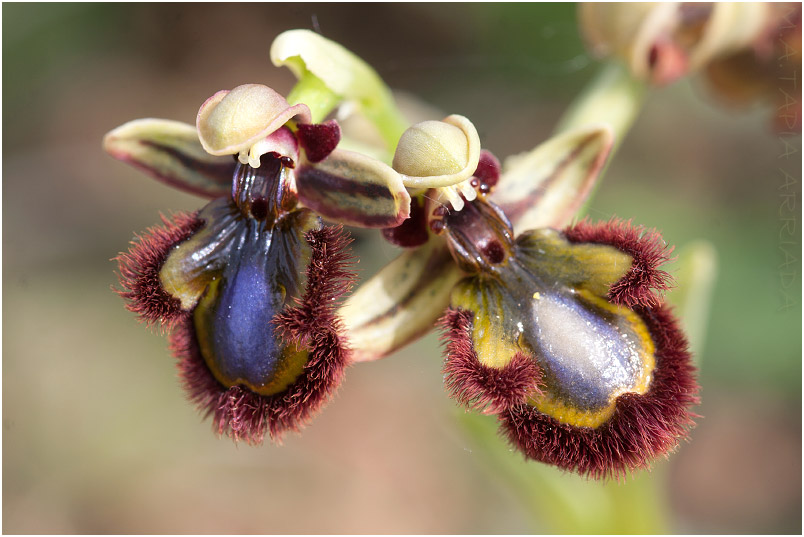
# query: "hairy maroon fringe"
478, 386
648, 249
643, 426
329, 277
244, 415
139, 270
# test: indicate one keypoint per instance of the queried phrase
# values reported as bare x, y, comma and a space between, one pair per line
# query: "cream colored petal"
436, 154
233, 121
546, 186
400, 303
628, 30
170, 152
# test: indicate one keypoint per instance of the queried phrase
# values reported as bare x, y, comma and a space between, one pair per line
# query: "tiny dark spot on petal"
259, 208
493, 251
653, 56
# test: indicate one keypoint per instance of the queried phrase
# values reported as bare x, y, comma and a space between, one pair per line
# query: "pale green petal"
171, 152
546, 186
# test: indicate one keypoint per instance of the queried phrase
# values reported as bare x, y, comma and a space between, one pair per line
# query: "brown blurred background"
97, 436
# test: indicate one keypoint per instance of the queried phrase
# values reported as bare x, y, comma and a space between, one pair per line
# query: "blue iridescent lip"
543, 296
588, 354
234, 319
242, 269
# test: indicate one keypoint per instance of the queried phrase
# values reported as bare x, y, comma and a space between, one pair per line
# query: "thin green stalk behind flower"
614, 98
556, 502
695, 277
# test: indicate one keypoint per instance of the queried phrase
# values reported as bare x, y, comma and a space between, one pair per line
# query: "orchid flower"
248, 284
559, 330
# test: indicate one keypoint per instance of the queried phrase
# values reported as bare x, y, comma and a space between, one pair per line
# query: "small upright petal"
170, 151
354, 189
319, 139
411, 233
232, 121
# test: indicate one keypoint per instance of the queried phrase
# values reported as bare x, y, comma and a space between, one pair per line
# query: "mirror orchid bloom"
561, 332
248, 285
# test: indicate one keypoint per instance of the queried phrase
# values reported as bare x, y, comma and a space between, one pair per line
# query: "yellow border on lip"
568, 414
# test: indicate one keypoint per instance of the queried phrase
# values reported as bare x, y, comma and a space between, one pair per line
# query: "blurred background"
97, 435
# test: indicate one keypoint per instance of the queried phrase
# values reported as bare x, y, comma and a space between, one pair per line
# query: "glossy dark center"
234, 319
590, 352
479, 235
262, 193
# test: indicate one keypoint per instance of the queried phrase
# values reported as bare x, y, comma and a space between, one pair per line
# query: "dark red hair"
139, 270
311, 323
639, 286
642, 428
477, 386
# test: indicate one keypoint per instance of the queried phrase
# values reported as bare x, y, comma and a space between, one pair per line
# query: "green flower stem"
695, 274
560, 503
380, 108
312, 91
614, 97
383, 112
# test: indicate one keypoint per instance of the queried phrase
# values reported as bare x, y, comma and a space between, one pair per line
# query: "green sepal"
354, 189
401, 302
323, 66
546, 186
170, 151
